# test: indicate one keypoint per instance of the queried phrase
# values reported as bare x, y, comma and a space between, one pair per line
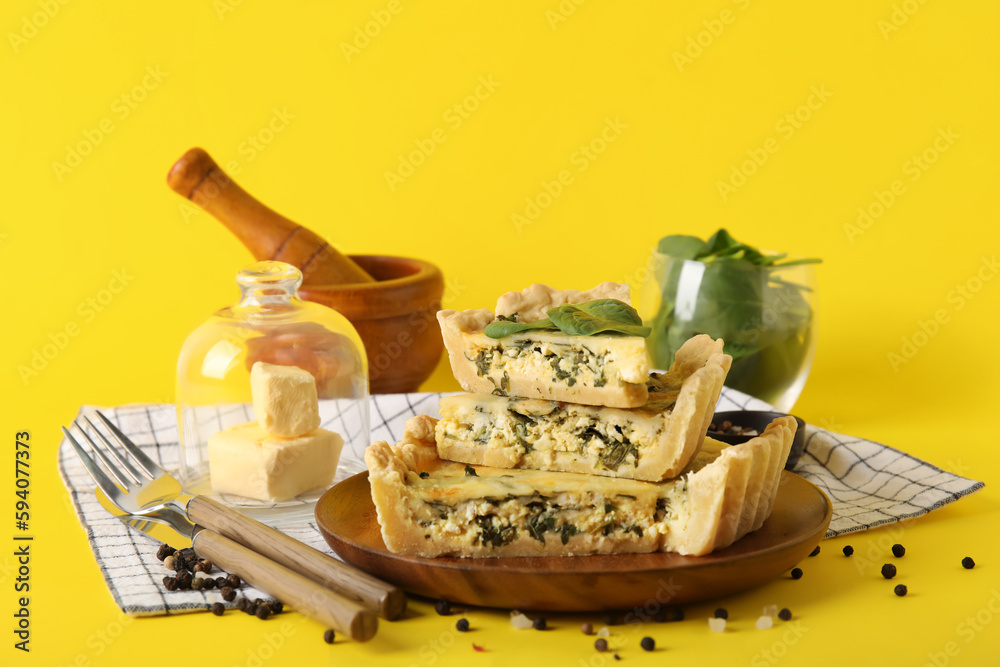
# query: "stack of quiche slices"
567, 444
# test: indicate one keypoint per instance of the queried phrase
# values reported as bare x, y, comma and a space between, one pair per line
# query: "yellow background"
893, 75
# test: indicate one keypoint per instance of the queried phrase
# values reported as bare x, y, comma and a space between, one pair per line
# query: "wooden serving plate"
346, 517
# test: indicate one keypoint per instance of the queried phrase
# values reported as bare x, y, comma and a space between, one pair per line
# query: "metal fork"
145, 489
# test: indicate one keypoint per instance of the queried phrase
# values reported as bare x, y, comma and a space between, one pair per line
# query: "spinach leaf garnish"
584, 319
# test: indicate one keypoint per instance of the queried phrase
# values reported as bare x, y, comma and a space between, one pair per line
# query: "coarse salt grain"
764, 622
604, 632
520, 621
717, 624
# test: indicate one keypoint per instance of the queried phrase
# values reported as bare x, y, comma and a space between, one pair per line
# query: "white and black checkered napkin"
868, 483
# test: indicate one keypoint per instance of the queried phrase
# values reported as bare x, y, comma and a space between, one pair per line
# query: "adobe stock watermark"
779, 648
562, 12
713, 28
785, 128
32, 23
900, 16
913, 168
87, 311
581, 158
249, 150
364, 34
454, 117
967, 630
958, 298
99, 641
121, 108
224, 7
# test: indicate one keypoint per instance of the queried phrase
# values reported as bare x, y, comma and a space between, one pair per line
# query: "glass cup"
765, 315
269, 324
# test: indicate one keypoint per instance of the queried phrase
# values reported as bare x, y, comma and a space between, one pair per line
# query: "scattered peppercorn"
208, 583
617, 657
848, 550
329, 636
815, 552
721, 613
601, 644
170, 583
233, 581
188, 553
220, 582
785, 614
587, 629
276, 607
462, 625
968, 563
538, 623
218, 609
184, 580
241, 604
898, 550
177, 565
888, 570
900, 590
797, 573
168, 562
164, 551
207, 566
442, 607
647, 644
228, 594
197, 583
198, 567
262, 612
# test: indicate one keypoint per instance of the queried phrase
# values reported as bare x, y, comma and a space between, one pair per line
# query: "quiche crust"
652, 442
607, 370
430, 507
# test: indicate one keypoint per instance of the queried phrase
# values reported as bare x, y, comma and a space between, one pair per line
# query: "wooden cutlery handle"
267, 234
387, 601
304, 595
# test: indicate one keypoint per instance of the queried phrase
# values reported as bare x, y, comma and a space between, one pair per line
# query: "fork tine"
148, 464
102, 480
122, 477
111, 449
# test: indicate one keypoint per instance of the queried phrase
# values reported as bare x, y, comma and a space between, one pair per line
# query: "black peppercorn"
848, 550
208, 584
968, 563
177, 564
442, 607
262, 612
587, 629
462, 625
647, 644
197, 583
898, 550
164, 551
206, 566
721, 613
228, 594
538, 623
888, 570
900, 590
170, 583
797, 573
184, 579
785, 614
220, 582
276, 607
233, 581
815, 552
601, 644
329, 636
188, 554
218, 609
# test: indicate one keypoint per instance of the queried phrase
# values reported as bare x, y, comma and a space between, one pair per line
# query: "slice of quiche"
652, 443
430, 507
608, 370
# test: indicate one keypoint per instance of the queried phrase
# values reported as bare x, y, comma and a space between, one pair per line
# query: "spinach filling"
493, 532
615, 451
579, 359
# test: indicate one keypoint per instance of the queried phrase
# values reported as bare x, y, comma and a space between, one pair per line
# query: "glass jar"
270, 324
765, 314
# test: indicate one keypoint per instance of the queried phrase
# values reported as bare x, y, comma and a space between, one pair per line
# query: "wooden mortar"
391, 301
396, 317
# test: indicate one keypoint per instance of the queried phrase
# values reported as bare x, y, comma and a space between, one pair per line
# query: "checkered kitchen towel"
868, 483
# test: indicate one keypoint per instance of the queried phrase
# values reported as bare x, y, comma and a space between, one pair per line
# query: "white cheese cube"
284, 399
244, 460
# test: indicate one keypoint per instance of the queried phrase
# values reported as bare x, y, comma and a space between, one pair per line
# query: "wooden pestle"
267, 234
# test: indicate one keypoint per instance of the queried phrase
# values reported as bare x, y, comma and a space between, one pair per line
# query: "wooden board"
346, 517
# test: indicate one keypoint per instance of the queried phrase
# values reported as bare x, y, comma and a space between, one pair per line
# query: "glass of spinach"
762, 305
